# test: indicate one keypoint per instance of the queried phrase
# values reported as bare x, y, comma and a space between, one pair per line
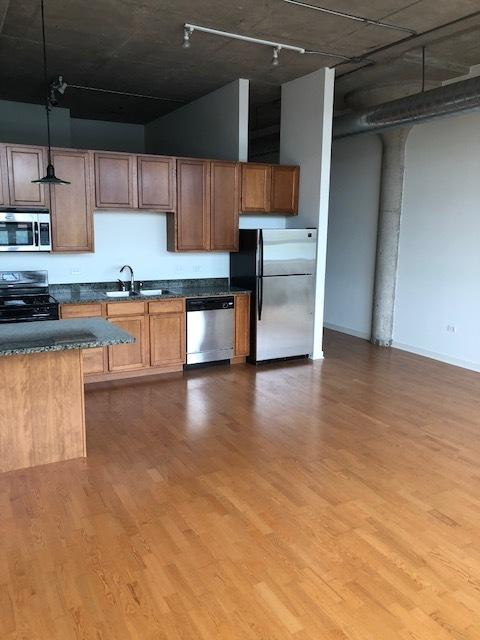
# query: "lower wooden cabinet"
159, 329
125, 357
242, 325
167, 339
94, 361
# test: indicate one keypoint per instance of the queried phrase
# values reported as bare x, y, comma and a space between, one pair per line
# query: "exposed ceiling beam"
415, 57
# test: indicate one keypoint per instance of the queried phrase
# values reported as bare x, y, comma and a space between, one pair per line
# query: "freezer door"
284, 326
287, 251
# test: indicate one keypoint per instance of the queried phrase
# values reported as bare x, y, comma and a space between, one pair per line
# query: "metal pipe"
442, 101
237, 36
350, 16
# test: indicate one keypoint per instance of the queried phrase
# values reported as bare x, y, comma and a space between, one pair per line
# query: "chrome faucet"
132, 278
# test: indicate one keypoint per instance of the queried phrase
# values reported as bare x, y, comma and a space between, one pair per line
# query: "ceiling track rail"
351, 16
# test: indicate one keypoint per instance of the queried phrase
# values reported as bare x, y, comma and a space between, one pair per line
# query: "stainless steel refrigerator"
278, 266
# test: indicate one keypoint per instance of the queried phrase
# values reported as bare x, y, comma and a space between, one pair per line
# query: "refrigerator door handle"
260, 259
260, 297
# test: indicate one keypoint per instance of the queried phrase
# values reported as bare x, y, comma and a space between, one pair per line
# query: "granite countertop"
59, 335
96, 292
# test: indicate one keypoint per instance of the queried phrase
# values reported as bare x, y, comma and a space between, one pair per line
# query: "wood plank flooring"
331, 501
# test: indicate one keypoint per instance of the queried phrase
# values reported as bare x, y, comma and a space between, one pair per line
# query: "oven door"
24, 231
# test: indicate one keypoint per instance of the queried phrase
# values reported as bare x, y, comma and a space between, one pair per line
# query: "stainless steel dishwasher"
210, 329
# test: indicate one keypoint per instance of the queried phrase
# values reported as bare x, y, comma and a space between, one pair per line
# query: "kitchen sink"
153, 292
117, 294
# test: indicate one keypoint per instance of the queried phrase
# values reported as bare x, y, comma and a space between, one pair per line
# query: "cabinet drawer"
81, 310
167, 306
125, 309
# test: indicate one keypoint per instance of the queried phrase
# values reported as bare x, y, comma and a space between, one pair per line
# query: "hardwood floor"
329, 501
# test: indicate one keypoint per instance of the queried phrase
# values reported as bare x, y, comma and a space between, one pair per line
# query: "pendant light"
49, 177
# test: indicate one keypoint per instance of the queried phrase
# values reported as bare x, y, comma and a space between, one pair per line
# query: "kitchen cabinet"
284, 189
125, 357
71, 205
224, 206
189, 228
256, 187
115, 181
3, 176
94, 360
156, 183
25, 164
269, 188
242, 325
167, 339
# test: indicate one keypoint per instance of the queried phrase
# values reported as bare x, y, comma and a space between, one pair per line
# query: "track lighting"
275, 61
187, 32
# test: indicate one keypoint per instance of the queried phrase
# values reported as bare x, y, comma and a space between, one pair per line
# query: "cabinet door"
192, 219
167, 339
242, 325
115, 181
284, 192
156, 183
224, 204
94, 360
125, 357
25, 164
256, 180
72, 204
3, 176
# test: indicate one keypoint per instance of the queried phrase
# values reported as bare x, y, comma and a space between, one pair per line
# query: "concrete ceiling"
134, 45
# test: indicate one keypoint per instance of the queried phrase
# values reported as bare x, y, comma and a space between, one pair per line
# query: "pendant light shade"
49, 177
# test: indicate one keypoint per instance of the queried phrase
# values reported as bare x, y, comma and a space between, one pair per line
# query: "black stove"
24, 297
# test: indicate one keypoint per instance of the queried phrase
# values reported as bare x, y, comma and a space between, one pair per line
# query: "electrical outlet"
75, 272
451, 328
197, 268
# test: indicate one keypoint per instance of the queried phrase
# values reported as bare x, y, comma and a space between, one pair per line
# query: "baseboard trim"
440, 357
347, 330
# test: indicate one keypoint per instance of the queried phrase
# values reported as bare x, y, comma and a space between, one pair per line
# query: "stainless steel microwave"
25, 230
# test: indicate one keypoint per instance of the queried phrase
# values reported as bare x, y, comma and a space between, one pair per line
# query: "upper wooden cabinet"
269, 188
115, 181
190, 227
72, 205
156, 183
224, 205
25, 164
284, 191
256, 185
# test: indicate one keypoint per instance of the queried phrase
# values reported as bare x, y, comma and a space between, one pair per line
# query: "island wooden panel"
35, 428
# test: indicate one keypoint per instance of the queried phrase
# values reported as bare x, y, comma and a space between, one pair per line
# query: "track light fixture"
275, 61
188, 29
187, 32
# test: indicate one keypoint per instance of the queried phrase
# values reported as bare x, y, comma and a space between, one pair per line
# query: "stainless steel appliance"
24, 297
25, 230
210, 329
278, 266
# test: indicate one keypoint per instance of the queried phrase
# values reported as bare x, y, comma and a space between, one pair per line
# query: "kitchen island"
42, 416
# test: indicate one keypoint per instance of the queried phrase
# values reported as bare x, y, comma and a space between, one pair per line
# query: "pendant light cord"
45, 72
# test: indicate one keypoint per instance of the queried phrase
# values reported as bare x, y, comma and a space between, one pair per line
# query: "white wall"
110, 136
214, 126
352, 234
305, 139
439, 262
114, 247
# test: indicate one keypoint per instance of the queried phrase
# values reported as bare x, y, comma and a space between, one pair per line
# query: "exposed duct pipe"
443, 101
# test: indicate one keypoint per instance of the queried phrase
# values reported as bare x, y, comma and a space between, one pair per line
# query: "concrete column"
388, 234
